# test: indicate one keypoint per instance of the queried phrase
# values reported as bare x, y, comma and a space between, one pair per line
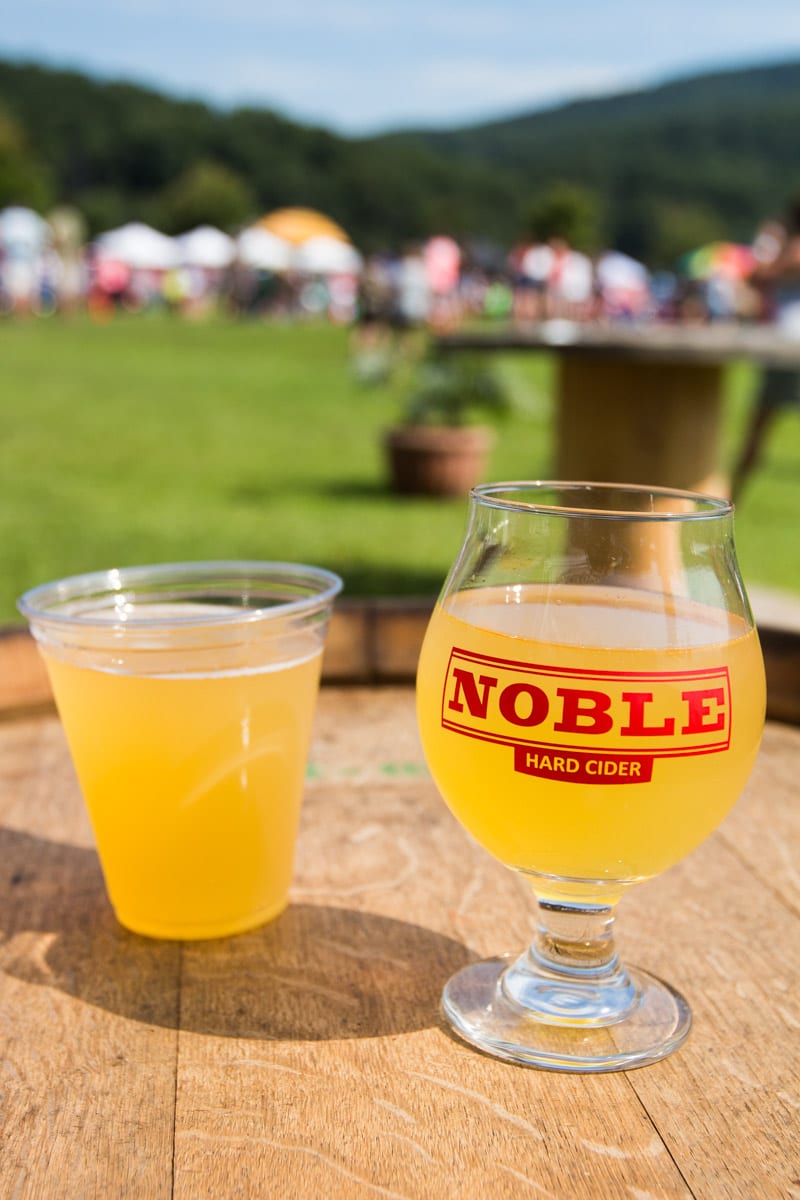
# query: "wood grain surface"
720, 342
661, 424
308, 1059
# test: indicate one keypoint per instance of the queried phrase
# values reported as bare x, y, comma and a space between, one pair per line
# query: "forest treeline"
654, 172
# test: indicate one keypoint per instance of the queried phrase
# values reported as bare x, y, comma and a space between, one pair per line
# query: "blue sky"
358, 66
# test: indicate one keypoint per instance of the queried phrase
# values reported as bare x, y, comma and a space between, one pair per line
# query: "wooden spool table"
639, 404
307, 1059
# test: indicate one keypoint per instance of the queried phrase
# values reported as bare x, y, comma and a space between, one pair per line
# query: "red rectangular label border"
590, 674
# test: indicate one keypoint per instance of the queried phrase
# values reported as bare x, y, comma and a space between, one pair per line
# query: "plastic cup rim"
40, 604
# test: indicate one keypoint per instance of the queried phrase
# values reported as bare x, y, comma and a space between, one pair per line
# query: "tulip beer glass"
590, 699
187, 693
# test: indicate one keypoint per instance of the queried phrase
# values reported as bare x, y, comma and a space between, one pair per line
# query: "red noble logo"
586, 726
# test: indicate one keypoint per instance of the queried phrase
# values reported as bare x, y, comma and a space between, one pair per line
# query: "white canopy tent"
24, 228
140, 247
263, 250
206, 247
327, 256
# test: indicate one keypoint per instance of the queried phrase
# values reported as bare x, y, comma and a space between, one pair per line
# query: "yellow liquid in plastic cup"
187, 694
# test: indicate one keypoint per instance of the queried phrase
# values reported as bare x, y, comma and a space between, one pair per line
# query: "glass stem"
571, 974
577, 940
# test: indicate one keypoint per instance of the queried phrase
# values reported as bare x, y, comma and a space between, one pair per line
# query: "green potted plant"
442, 443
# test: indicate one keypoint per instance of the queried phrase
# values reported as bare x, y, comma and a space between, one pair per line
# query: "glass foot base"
480, 1010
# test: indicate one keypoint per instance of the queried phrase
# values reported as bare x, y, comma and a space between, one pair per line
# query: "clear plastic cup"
187, 693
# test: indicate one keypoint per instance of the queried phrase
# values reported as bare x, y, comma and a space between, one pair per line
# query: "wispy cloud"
429, 91
362, 65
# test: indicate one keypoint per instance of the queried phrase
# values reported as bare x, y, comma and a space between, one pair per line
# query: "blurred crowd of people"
50, 265
440, 285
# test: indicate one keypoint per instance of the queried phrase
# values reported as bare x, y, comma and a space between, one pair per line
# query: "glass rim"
40, 604
492, 495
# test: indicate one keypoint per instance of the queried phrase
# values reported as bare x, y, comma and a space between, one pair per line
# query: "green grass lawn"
152, 439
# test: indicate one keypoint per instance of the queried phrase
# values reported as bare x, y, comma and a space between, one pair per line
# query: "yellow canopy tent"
297, 225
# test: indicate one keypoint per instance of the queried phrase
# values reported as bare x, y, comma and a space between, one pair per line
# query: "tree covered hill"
653, 172
715, 152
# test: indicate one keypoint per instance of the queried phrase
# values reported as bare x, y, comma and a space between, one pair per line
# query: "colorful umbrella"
729, 259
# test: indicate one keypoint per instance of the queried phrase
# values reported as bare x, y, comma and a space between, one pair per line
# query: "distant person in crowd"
472, 290
690, 302
343, 297
778, 278
665, 295
721, 296
375, 296
413, 300
622, 288
239, 288
555, 282
110, 283
373, 332
768, 241
498, 299
69, 232
535, 264
21, 276
176, 289
570, 283
442, 257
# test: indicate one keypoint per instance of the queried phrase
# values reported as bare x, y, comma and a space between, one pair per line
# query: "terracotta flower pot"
437, 460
